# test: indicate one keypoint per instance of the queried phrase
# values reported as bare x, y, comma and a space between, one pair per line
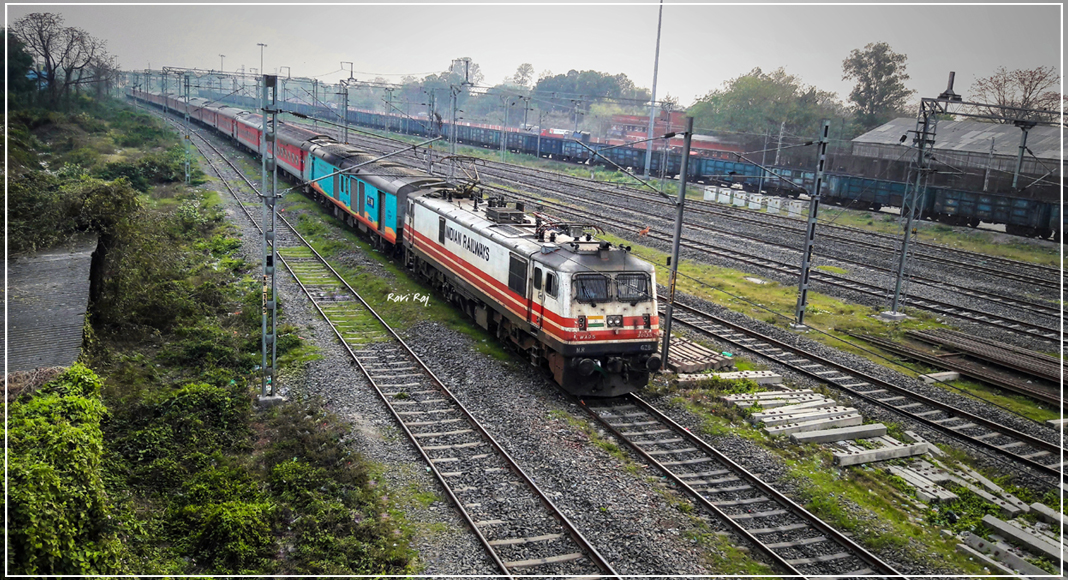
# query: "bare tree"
68, 54
1034, 88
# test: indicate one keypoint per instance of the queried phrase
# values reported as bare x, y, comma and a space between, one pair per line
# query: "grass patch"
889, 518
832, 269
335, 242
1020, 404
981, 241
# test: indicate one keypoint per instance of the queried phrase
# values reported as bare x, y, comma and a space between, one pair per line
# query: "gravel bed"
624, 516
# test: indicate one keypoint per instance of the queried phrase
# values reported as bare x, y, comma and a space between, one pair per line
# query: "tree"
1034, 88
19, 68
758, 102
577, 89
67, 53
524, 75
880, 92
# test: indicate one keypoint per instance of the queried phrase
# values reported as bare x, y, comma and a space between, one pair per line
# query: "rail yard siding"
47, 297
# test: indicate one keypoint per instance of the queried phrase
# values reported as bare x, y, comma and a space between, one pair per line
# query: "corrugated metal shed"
47, 295
970, 137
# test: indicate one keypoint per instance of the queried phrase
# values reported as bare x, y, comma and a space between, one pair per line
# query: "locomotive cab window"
632, 287
550, 284
591, 288
537, 278
441, 231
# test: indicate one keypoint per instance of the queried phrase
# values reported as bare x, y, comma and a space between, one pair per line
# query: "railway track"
1011, 323
889, 254
522, 531
1041, 456
1034, 274
795, 541
1029, 362
972, 369
1046, 333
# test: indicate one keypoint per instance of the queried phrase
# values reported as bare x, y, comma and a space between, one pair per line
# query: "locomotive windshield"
591, 288
632, 287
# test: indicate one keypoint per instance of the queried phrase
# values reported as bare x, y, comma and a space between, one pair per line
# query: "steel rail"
871, 380
776, 559
879, 567
1045, 281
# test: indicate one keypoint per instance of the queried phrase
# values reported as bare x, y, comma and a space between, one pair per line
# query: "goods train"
578, 306
1023, 214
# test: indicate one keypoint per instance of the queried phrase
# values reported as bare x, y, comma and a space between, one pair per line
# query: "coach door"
361, 200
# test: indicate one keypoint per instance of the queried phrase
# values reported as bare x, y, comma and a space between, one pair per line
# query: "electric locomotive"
582, 308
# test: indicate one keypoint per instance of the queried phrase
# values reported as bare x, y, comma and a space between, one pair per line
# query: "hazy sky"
702, 46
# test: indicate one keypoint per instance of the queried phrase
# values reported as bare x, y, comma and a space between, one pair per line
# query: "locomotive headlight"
614, 320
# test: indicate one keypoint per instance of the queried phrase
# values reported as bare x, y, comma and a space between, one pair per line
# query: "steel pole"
678, 236
763, 155
188, 142
1025, 126
268, 192
652, 102
925, 134
810, 232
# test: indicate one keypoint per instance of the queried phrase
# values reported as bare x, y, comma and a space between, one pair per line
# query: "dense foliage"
880, 93
161, 465
60, 514
760, 102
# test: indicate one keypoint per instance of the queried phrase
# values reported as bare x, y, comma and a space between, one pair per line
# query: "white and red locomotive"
579, 306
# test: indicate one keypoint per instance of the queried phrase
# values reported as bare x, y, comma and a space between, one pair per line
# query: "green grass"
980, 241
1020, 404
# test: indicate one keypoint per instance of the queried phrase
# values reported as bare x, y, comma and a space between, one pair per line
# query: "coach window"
537, 278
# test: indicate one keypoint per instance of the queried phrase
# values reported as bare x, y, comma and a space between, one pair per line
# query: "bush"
58, 507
